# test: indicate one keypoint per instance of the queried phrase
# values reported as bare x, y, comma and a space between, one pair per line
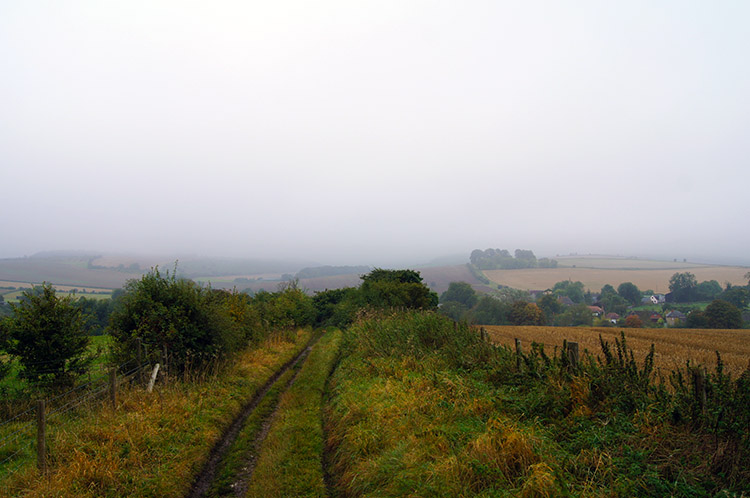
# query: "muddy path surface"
207, 475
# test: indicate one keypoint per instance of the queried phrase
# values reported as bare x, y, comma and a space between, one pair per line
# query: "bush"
48, 335
723, 315
173, 314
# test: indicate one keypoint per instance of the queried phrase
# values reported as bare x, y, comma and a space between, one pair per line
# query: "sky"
371, 132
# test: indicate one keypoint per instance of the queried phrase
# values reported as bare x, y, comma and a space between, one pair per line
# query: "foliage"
48, 336
630, 292
396, 289
522, 313
633, 322
682, 286
4, 343
549, 305
723, 315
460, 292
573, 290
489, 311
575, 316
707, 290
738, 296
177, 316
407, 418
491, 259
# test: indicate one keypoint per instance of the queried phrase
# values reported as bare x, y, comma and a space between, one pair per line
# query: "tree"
573, 290
453, 309
460, 292
682, 286
489, 311
396, 289
607, 290
580, 314
629, 292
523, 313
707, 290
723, 315
48, 335
633, 322
738, 296
178, 315
549, 305
4, 343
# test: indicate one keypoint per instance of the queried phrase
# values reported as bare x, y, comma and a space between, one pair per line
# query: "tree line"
48, 336
501, 259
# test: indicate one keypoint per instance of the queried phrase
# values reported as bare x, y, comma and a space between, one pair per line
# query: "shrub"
173, 314
48, 335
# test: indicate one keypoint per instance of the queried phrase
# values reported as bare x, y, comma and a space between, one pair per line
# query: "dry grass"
595, 278
155, 442
673, 347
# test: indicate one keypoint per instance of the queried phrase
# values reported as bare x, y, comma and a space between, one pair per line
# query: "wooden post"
153, 378
573, 354
41, 436
699, 380
140, 360
519, 352
483, 334
113, 387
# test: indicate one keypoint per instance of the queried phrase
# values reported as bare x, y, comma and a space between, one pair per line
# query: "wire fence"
20, 434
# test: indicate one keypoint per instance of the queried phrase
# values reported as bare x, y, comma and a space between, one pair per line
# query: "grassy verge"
290, 462
422, 407
154, 443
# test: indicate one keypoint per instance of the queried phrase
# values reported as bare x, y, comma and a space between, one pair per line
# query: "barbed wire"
7, 459
76, 402
16, 434
16, 416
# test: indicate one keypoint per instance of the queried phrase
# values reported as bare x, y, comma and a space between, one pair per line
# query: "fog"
375, 132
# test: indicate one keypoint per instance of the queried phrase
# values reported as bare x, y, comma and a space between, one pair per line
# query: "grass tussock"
290, 462
442, 413
153, 444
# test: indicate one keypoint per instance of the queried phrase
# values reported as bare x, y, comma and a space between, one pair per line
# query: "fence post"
41, 436
113, 387
153, 378
699, 380
519, 352
483, 334
573, 354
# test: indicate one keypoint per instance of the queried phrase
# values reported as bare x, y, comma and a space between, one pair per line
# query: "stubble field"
673, 347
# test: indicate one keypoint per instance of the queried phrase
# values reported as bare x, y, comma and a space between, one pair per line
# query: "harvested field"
673, 347
595, 278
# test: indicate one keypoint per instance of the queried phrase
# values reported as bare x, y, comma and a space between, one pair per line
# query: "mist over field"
378, 133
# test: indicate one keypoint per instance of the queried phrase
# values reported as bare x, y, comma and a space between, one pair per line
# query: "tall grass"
422, 407
154, 443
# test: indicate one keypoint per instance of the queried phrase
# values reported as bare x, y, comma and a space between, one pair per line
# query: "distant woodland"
502, 259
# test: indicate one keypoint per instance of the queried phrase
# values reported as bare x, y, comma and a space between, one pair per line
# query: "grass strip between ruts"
290, 462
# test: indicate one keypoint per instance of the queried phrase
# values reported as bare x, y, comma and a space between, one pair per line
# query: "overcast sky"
375, 131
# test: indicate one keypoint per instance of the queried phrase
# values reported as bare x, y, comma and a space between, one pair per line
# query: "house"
675, 318
655, 317
596, 310
565, 301
660, 298
613, 317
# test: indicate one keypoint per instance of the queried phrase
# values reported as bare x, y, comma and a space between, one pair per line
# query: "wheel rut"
207, 475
